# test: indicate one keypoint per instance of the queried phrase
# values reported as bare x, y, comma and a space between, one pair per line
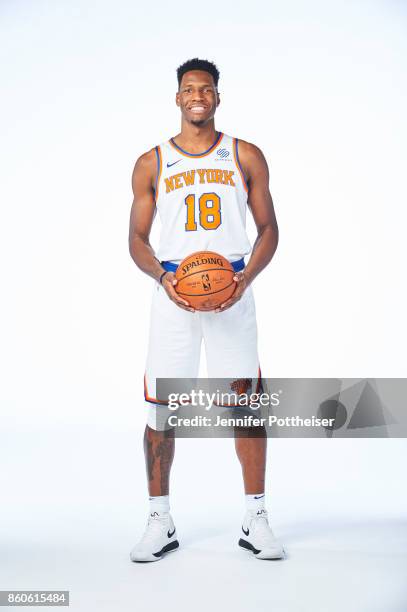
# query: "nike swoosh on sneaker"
245, 532
170, 534
173, 163
259, 496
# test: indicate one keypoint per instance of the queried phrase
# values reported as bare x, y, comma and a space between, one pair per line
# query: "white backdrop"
86, 87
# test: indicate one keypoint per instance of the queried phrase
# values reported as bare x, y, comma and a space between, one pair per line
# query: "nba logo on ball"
205, 280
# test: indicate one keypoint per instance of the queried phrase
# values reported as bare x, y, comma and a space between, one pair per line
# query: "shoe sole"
257, 553
158, 555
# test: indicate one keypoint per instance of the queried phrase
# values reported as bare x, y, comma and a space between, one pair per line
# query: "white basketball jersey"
201, 200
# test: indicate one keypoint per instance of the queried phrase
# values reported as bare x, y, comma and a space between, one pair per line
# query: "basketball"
205, 280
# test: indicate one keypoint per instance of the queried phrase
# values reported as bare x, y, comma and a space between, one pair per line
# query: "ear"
217, 99
177, 100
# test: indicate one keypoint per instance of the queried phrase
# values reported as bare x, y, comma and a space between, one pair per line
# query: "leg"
160, 536
174, 351
231, 354
257, 535
159, 449
251, 449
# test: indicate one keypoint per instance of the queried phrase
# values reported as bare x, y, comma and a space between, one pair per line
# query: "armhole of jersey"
237, 161
159, 168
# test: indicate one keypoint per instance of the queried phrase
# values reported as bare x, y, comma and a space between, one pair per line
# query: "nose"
197, 96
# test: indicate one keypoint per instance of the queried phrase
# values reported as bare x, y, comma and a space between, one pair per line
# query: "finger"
180, 302
174, 296
189, 308
227, 305
232, 300
218, 310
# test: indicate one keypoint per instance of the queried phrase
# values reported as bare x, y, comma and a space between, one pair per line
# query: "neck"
196, 138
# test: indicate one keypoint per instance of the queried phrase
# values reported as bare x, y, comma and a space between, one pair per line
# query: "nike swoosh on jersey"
173, 163
170, 534
246, 532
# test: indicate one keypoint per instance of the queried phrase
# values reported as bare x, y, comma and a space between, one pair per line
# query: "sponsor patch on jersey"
223, 155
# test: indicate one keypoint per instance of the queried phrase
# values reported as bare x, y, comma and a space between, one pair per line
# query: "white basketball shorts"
175, 339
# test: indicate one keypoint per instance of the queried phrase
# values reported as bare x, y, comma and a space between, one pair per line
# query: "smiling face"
197, 97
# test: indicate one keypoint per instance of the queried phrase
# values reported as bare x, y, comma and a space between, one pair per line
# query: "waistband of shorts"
170, 266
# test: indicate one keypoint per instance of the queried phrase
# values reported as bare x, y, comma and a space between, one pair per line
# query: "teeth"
197, 109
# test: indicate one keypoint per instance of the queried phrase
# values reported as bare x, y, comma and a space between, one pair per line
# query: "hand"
242, 285
169, 281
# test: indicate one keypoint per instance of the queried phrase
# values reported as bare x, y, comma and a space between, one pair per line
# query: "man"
201, 182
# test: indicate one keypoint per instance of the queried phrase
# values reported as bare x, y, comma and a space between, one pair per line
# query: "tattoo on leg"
150, 459
159, 454
165, 452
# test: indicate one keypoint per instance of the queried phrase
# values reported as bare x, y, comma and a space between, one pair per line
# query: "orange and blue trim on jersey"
159, 169
211, 148
237, 162
152, 400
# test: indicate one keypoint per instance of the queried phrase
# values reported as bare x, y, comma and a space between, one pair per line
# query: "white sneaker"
259, 538
159, 537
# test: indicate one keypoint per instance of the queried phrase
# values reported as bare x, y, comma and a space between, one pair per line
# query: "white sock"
160, 504
255, 503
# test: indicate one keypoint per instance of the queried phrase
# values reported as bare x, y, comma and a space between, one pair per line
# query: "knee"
157, 418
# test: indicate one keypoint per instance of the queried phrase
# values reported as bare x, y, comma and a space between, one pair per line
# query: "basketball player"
201, 182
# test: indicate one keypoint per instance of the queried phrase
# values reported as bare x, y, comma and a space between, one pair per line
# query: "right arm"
142, 215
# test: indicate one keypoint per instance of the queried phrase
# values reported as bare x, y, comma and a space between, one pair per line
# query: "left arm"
260, 203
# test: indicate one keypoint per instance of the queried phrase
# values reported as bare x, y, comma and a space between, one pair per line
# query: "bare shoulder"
145, 168
250, 152
147, 161
252, 159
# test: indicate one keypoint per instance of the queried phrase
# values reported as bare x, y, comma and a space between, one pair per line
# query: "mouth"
197, 109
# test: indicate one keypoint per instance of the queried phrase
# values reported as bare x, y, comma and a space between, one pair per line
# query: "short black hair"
198, 64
